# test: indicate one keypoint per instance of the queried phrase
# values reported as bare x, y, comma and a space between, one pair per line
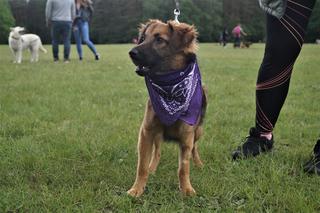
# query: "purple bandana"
176, 95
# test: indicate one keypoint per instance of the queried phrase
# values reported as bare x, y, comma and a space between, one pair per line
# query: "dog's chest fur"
15, 43
176, 131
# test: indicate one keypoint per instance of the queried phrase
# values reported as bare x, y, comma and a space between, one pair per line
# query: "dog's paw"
153, 168
135, 192
188, 191
198, 163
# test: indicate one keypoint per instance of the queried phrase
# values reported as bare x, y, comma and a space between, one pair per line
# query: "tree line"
116, 21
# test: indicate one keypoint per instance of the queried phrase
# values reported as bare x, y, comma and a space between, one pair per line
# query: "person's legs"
224, 42
55, 34
86, 38
66, 35
284, 42
236, 42
77, 38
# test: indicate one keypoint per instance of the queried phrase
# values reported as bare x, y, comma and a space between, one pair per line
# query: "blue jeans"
81, 33
61, 29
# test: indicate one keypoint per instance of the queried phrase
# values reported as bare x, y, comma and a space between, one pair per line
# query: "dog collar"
15, 38
176, 95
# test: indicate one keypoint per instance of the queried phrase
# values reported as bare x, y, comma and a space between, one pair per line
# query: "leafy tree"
116, 21
36, 22
209, 23
248, 13
31, 15
19, 11
155, 9
204, 14
313, 31
6, 21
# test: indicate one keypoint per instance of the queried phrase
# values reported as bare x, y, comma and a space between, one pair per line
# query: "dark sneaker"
253, 145
313, 165
80, 58
97, 57
56, 60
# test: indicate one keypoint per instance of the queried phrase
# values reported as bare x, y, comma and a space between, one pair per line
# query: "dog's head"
164, 46
16, 32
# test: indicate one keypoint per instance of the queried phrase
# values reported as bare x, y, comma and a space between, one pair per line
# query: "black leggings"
284, 42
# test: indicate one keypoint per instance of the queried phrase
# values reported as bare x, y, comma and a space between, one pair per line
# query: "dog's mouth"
143, 67
142, 70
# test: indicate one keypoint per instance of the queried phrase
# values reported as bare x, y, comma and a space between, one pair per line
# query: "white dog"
318, 41
19, 42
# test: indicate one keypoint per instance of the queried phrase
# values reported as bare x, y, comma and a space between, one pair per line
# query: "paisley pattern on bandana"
176, 95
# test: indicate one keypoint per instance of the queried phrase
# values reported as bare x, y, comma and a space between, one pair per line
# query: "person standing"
84, 12
60, 15
287, 22
225, 35
237, 32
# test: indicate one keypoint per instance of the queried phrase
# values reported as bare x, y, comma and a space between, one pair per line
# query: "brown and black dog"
245, 44
163, 48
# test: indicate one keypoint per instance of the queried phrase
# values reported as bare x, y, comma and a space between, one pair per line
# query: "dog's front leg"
14, 54
156, 153
145, 144
19, 56
186, 146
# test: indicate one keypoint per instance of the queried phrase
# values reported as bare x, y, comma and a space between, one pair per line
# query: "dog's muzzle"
134, 54
136, 58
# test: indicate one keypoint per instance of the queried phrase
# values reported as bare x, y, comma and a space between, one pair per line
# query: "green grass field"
68, 135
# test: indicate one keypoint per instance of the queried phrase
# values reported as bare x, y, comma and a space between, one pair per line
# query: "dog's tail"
42, 48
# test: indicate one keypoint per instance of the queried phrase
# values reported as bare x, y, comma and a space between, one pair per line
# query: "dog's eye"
160, 40
142, 38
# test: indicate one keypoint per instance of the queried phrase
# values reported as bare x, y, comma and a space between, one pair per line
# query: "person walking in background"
84, 12
225, 35
286, 26
237, 32
59, 15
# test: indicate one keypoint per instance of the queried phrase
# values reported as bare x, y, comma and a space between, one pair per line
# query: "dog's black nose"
134, 53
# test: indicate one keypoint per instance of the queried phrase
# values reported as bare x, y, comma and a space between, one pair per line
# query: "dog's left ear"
143, 28
187, 33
